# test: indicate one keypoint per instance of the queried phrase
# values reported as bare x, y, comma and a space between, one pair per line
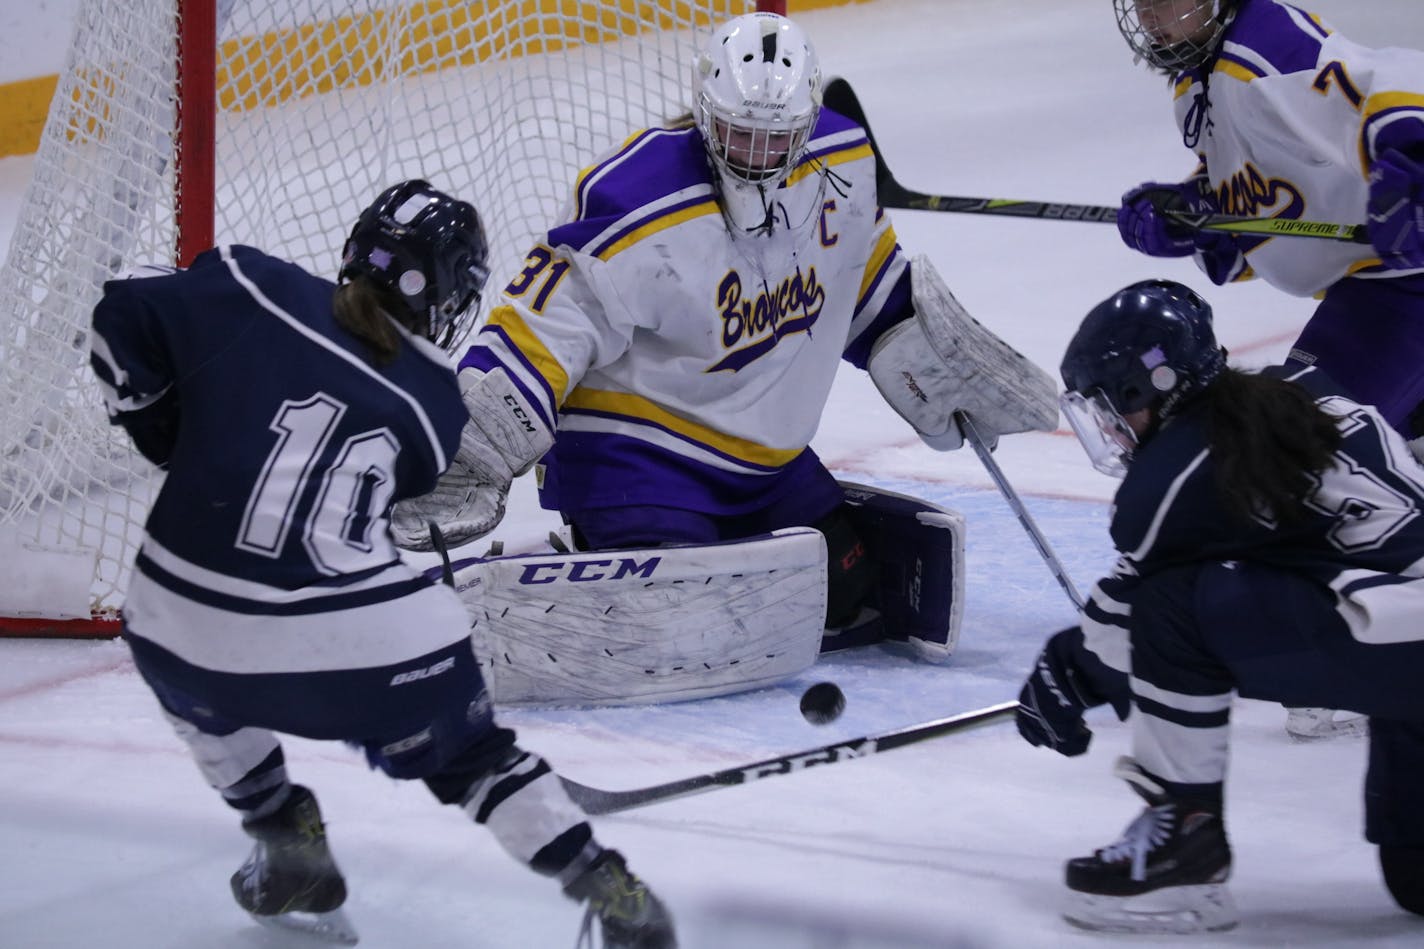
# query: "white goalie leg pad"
919, 548
942, 361
659, 624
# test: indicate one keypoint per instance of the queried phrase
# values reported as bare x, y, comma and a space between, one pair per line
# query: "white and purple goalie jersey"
684, 360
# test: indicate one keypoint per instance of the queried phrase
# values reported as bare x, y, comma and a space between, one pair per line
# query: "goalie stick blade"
333, 928
598, 801
838, 96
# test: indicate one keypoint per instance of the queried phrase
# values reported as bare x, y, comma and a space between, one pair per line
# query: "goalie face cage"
178, 124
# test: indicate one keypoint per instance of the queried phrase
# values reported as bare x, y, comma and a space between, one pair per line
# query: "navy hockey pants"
414, 720
1200, 631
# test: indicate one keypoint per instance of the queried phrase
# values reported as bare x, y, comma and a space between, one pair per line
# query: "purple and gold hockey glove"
1145, 226
1396, 210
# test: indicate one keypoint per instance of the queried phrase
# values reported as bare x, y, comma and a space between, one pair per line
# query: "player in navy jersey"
1271, 544
289, 413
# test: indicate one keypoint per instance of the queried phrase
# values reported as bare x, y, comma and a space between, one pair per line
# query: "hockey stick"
437, 540
971, 435
598, 801
840, 97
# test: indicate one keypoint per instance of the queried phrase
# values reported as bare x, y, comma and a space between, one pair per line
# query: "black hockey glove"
1053, 699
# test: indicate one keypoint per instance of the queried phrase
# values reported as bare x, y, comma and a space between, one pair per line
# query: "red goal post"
177, 124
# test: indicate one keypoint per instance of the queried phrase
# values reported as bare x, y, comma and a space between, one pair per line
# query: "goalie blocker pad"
942, 360
647, 625
919, 550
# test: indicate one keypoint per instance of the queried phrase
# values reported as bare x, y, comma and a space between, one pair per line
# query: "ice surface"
109, 838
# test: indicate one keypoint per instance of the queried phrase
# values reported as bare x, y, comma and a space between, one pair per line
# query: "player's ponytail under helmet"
1173, 35
426, 252
1148, 346
756, 96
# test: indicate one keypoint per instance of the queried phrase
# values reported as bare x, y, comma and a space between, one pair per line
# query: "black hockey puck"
822, 703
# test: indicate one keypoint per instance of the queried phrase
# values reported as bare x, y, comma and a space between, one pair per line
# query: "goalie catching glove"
502, 439
942, 361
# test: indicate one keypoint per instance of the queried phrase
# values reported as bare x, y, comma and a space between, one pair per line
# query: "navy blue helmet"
429, 249
1148, 346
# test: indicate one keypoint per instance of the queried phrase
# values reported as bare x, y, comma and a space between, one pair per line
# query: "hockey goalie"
664, 358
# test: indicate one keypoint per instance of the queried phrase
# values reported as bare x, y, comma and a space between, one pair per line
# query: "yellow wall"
270, 62
23, 107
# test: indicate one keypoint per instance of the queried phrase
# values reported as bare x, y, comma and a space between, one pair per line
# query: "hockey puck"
822, 703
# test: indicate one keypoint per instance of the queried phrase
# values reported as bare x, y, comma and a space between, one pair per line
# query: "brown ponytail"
361, 307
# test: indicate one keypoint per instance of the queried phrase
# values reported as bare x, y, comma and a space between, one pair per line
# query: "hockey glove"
1053, 699
465, 505
941, 362
1396, 210
502, 440
1145, 226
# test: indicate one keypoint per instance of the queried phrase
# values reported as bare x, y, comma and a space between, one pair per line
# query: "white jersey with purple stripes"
1288, 120
685, 360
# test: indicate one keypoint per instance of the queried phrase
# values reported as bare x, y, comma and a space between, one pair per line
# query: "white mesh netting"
321, 104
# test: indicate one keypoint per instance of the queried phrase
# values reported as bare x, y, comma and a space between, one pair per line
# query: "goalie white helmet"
1174, 35
757, 94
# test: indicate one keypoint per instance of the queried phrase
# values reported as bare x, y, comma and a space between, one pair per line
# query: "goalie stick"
437, 540
840, 97
598, 801
971, 435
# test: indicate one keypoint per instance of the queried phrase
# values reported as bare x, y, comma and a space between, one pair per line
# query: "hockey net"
316, 106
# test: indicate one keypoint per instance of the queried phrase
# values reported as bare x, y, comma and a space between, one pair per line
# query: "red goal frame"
194, 185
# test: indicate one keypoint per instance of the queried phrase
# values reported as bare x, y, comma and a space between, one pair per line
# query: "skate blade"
333, 928
1172, 910
1319, 724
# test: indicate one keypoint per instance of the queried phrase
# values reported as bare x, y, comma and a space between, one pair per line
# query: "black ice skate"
1166, 875
290, 880
630, 915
